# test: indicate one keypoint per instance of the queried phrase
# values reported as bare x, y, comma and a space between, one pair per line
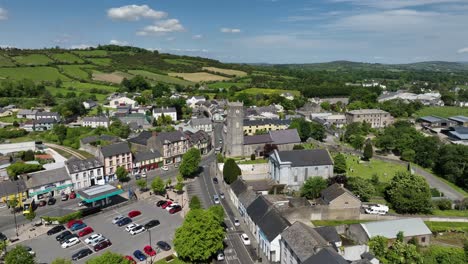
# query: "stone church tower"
234, 132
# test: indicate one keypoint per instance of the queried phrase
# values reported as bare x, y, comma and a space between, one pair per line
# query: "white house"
85, 173
122, 101
53, 115
293, 167
166, 111
96, 121
26, 113
269, 228
88, 104
194, 99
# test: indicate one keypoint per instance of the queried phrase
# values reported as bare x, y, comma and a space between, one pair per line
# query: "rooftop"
45, 177
459, 118
164, 110
98, 192
95, 119
367, 111
326, 255
306, 157
12, 187
272, 224
286, 136
334, 191
115, 149
76, 165
257, 139
258, 208
390, 228
146, 155
261, 122
303, 240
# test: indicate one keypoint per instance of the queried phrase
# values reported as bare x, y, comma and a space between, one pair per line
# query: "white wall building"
166, 111
96, 121
122, 101
85, 173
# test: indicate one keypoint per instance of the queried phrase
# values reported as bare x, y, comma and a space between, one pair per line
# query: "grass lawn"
100, 61
160, 77
256, 161
86, 86
5, 62
33, 59
452, 238
36, 74
11, 119
66, 57
76, 71
447, 226
385, 170
268, 91
91, 53
337, 222
442, 111
459, 213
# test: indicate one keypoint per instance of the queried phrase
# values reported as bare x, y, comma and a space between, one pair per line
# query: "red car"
175, 209
72, 195
149, 251
86, 231
166, 204
102, 245
134, 213
130, 259
72, 222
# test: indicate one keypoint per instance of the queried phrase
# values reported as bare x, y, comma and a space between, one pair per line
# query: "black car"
67, 237
55, 230
163, 245
81, 254
124, 221
151, 224
215, 180
160, 202
62, 235
3, 237
51, 201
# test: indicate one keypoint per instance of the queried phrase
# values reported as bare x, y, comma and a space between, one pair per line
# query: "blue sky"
273, 31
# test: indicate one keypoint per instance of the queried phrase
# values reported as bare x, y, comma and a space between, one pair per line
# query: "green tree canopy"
360, 187
108, 258
218, 212
190, 162
158, 185
141, 183
122, 174
340, 164
19, 255
195, 203
231, 171
368, 151
19, 168
313, 186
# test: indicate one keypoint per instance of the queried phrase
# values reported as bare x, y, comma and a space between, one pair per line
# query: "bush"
63, 219
252, 157
443, 204
19, 168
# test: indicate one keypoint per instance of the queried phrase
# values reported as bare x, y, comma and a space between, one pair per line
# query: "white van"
377, 209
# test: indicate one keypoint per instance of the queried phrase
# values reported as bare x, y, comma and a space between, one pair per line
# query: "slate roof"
334, 191
47, 114
257, 139
390, 228
238, 187
246, 198
45, 121
142, 138
326, 255
173, 136
258, 209
306, 157
45, 177
10, 187
95, 119
303, 240
261, 122
272, 224
367, 111
286, 136
200, 121
328, 233
115, 149
431, 119
164, 110
27, 112
459, 119
199, 136
146, 155
460, 133
76, 165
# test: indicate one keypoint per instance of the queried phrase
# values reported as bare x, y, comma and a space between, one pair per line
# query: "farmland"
199, 76
268, 91
66, 58
33, 59
226, 85
76, 71
36, 74
445, 111
108, 77
5, 62
226, 71
160, 77
100, 61
91, 53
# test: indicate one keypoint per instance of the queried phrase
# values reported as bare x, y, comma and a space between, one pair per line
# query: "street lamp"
149, 235
14, 209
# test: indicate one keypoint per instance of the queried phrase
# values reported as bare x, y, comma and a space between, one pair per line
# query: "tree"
61, 261
313, 186
190, 162
404, 253
326, 106
357, 141
298, 147
340, 164
30, 216
231, 171
368, 151
195, 203
27, 155
122, 174
317, 131
199, 237
158, 185
220, 158
252, 156
108, 258
61, 132
58, 83
142, 184
408, 155
19, 168
168, 182
360, 187
19, 254
400, 236
119, 129
378, 245
218, 212
180, 183
409, 194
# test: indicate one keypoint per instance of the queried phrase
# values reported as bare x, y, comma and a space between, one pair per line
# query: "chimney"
154, 134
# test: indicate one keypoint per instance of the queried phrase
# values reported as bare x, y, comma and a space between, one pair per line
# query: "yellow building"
250, 127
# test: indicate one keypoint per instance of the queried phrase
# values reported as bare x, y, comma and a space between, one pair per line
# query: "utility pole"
14, 208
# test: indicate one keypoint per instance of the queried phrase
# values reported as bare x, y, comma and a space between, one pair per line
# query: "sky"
249, 31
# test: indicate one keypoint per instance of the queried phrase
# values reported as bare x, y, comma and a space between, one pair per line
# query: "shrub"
252, 157
443, 204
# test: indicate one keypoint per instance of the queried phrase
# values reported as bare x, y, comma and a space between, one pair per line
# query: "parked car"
51, 201
221, 195
176, 165
163, 245
129, 227
134, 213
72, 195
3, 237
170, 206
215, 180
166, 204
220, 255
81, 254
74, 221
124, 221
175, 209
139, 255
70, 242
62, 235
152, 224
93, 238
216, 199
86, 231
64, 197
67, 237
129, 258
55, 230
78, 226
42, 203
149, 251
236, 222
160, 202
143, 175
117, 219
30, 251
245, 239
137, 230
102, 245
165, 168
137, 176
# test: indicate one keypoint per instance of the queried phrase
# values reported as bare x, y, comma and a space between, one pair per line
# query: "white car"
70, 242
129, 227
93, 238
143, 175
117, 218
216, 199
137, 230
236, 222
169, 207
221, 195
245, 239
165, 168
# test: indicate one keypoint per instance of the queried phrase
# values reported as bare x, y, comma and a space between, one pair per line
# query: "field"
33, 59
226, 71
226, 85
177, 61
456, 213
34, 73
86, 86
160, 77
76, 71
115, 77
5, 62
385, 170
91, 53
199, 76
100, 61
445, 111
447, 226
268, 91
66, 58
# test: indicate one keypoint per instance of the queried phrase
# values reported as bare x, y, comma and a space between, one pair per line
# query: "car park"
81, 254
117, 219
86, 231
216, 199
149, 251
165, 168
74, 221
160, 202
152, 224
245, 239
139, 255
175, 209
124, 221
51, 201
78, 226
93, 238
55, 230
102, 245
134, 213
65, 197
166, 204
63, 235
129, 227
137, 230
70, 242
236, 222
215, 180
163, 245
129, 258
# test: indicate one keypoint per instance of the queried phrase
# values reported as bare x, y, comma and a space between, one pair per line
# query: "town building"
5, 112
114, 156
460, 120
89, 104
165, 111
288, 96
375, 117
204, 124
96, 121
431, 122
42, 124
429, 99
47, 183
147, 160
122, 101
199, 140
337, 202
293, 168
281, 139
26, 113
234, 136
85, 173
172, 145
251, 127
48, 115
338, 121
136, 121
270, 227
194, 99
12, 189
457, 134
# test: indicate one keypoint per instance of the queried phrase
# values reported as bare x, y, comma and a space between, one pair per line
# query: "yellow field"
226, 71
198, 76
108, 77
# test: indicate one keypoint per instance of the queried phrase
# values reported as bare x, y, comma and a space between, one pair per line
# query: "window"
423, 239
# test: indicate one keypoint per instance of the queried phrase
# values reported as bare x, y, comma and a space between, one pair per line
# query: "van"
378, 209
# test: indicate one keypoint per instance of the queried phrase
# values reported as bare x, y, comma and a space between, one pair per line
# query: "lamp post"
14, 208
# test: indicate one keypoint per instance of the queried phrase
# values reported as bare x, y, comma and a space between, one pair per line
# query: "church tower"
234, 132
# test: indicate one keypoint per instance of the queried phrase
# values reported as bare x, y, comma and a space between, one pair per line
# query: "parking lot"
47, 248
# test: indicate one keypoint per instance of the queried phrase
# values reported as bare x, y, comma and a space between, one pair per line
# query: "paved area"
47, 248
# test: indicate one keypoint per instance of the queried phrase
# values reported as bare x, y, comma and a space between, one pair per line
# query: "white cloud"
230, 30
3, 14
463, 50
197, 36
134, 13
162, 27
81, 46
396, 4
118, 42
